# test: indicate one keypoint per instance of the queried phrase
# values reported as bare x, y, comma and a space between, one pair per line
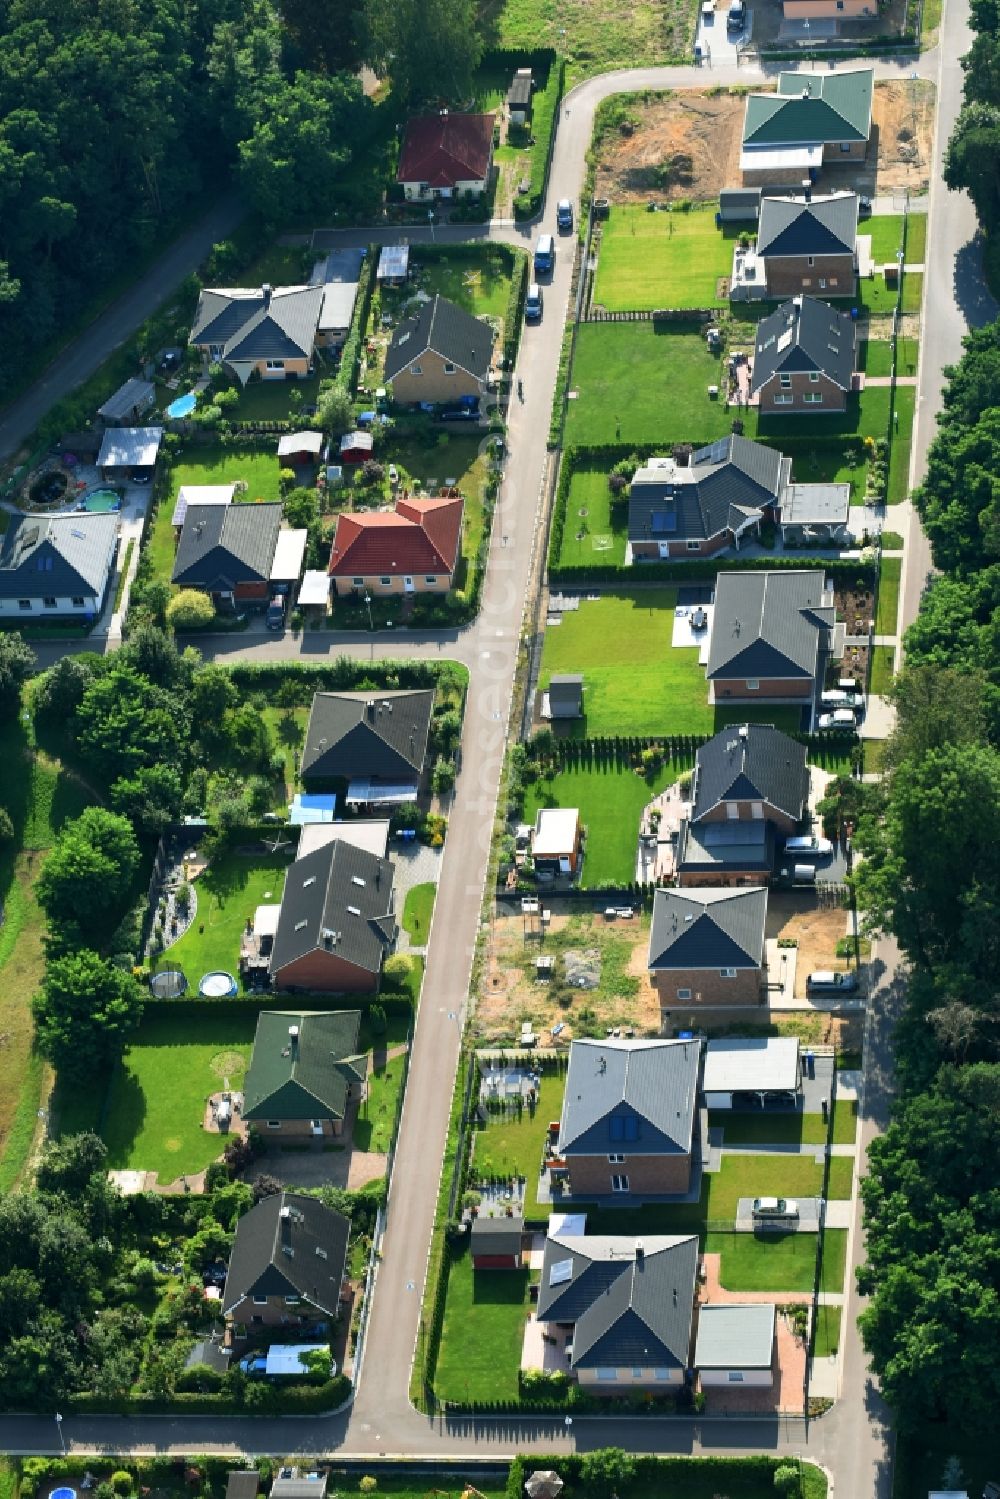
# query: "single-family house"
734, 1345
446, 155
336, 924
305, 1072
266, 331
356, 447
287, 1264
706, 948
771, 636
129, 451
441, 356
56, 565
563, 698
701, 505
413, 548
339, 274
128, 402
812, 118
627, 1305
752, 1072
803, 245
804, 359
556, 840
629, 1115
378, 739
228, 551
519, 97
748, 773
497, 1243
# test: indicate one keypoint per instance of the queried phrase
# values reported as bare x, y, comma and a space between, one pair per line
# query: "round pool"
63, 1494
100, 501
217, 985
184, 405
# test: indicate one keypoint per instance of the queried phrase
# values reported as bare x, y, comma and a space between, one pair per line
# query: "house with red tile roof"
445, 156
411, 549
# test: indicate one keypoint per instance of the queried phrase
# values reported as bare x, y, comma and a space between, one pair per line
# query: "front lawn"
834, 1260
916, 238
888, 595
826, 1330
482, 1333
635, 681
672, 259
417, 911
229, 891
610, 798
595, 531
841, 1178
739, 1176
377, 1114
765, 1262
883, 661
902, 437
787, 1129
645, 383
886, 233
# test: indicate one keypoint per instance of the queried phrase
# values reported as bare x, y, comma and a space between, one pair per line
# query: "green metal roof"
809, 109
307, 1077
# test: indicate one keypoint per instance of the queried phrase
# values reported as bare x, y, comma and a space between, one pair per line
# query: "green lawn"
907, 353
913, 291
826, 1331
765, 1262
509, 1145
650, 260
635, 682
875, 356
377, 1114
273, 400
156, 1099
888, 595
787, 1129
883, 659
644, 382
417, 910
886, 232
916, 238
594, 38
229, 891
595, 531
834, 1260
432, 455
482, 1333
610, 799
739, 1176
902, 436
480, 285
841, 1177
257, 467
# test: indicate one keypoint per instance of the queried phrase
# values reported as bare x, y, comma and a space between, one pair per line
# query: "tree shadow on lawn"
230, 875
126, 1115
499, 1287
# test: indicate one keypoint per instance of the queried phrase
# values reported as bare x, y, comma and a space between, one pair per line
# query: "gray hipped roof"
804, 335
301, 1252
263, 323
708, 929
380, 736
823, 226
769, 624
639, 1091
750, 763
61, 557
449, 331
724, 484
630, 1301
337, 899
222, 545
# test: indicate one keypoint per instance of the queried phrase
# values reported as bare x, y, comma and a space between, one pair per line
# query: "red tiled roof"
419, 536
444, 149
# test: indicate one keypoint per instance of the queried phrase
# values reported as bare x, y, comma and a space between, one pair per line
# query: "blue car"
254, 1364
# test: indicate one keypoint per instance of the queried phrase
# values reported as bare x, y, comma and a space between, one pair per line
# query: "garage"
744, 1073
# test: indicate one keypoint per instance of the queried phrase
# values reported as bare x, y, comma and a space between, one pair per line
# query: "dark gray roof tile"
708, 929
823, 226
261, 1264
222, 545
339, 898
381, 736
805, 334
769, 624
639, 1092
449, 331
751, 762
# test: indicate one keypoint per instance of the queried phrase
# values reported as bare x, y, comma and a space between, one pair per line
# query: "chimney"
807, 189
370, 708
285, 1223
266, 290
293, 1037
640, 1251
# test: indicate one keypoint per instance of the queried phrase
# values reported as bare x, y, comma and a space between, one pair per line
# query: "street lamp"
368, 606
59, 1429
430, 220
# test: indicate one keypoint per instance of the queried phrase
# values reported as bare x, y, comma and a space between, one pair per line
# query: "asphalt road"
853, 1440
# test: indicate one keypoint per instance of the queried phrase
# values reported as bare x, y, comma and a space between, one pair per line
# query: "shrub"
396, 973
6, 826
190, 610
368, 1484
377, 1019
443, 776
786, 1479
121, 1481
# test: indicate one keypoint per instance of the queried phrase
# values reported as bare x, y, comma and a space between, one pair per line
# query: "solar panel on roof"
664, 520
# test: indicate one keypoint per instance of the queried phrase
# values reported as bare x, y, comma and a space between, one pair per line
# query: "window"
49, 603
736, 1376
733, 811
684, 994
636, 1373
292, 1300
358, 582
822, 283
814, 377
415, 369
78, 601
785, 382
274, 1124
24, 603
619, 1183
784, 400
810, 261
727, 973
694, 546
431, 580
813, 398
757, 810
257, 1319
449, 369
616, 1160
833, 281
260, 1301
624, 1127
275, 364
845, 145
386, 582
661, 1373
753, 685
605, 1375
807, 281
840, 4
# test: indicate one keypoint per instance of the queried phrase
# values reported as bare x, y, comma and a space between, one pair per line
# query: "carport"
761, 1072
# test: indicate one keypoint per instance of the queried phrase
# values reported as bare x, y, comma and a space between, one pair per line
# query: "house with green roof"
305, 1073
812, 119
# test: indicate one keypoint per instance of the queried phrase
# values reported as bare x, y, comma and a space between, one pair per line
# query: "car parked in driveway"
837, 697
804, 845
840, 718
825, 981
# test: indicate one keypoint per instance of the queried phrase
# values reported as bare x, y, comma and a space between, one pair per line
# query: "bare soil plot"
815, 928
684, 145
903, 115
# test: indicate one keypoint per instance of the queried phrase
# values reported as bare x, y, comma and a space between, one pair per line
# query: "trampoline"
217, 985
169, 983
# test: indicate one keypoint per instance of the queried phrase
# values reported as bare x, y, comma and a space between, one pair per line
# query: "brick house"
750, 772
813, 118
445, 155
804, 360
706, 948
414, 548
702, 505
266, 331
382, 738
802, 246
336, 923
228, 552
287, 1264
304, 1073
442, 355
628, 1119
771, 636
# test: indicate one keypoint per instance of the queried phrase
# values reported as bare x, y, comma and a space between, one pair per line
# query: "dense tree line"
972, 160
116, 116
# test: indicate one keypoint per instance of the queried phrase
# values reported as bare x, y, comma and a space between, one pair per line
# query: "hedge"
297, 1400
545, 112
341, 675
347, 374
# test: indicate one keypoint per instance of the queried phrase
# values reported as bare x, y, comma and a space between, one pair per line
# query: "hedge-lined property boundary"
544, 113
347, 375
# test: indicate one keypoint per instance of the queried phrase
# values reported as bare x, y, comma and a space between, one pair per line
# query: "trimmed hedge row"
544, 114
347, 375
297, 1400
340, 675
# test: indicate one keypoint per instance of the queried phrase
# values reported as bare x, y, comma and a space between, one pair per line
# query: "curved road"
853, 1440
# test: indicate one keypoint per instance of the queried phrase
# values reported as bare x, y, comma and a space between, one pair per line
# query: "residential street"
853, 1440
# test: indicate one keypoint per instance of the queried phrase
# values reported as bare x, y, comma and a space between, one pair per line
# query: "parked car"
840, 718
457, 414
545, 253
254, 1364
275, 619
533, 304
825, 981
736, 16
141, 475
839, 697
775, 1208
808, 843
564, 215
625, 913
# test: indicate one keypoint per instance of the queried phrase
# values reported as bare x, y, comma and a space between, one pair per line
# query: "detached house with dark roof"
624, 1306
304, 1073
706, 948
441, 356
266, 331
802, 246
380, 740
336, 923
287, 1264
628, 1119
804, 360
813, 118
447, 155
771, 636
229, 552
715, 500
56, 566
413, 548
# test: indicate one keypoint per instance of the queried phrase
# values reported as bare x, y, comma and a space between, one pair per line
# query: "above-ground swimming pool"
217, 985
63, 1494
184, 405
100, 501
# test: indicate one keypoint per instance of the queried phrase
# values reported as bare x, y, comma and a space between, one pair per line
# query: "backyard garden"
673, 258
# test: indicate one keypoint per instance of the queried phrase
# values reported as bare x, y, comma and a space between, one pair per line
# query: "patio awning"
315, 807
315, 587
289, 554
130, 447
376, 793
265, 920
393, 262
300, 442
